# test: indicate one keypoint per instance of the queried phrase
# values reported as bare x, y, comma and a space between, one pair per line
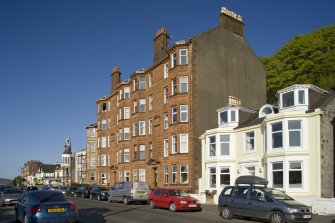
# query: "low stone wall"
321, 206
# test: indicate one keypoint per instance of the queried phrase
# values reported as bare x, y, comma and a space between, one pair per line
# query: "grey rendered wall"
223, 64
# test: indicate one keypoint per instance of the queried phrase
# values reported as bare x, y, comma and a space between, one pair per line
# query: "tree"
18, 181
307, 59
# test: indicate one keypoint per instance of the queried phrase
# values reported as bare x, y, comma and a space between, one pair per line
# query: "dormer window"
228, 117
293, 98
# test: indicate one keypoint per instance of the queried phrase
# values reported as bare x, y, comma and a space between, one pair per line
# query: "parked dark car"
173, 199
29, 188
250, 197
10, 196
99, 193
45, 206
70, 191
83, 191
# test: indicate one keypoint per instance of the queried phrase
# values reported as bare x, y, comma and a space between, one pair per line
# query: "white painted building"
282, 144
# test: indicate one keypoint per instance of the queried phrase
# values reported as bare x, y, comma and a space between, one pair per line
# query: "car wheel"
152, 204
277, 217
226, 213
172, 207
125, 201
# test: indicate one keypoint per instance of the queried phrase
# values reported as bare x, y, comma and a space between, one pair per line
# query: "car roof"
248, 179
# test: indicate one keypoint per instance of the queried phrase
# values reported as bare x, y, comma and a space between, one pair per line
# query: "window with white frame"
126, 132
166, 94
142, 128
135, 129
150, 80
103, 160
183, 57
166, 70
120, 176
92, 133
224, 176
92, 175
173, 86
92, 161
99, 160
173, 59
294, 131
295, 174
120, 115
92, 146
277, 135
126, 156
103, 179
225, 145
120, 156
135, 157
250, 140
166, 147
212, 177
126, 113
183, 84
121, 95
103, 142
228, 116
104, 107
184, 174
126, 92
126, 174
174, 174
141, 175
183, 143
166, 175
150, 103
134, 174
142, 81
301, 97
150, 150
174, 144
142, 105
183, 113
150, 126
142, 152
108, 140
103, 124
212, 146
174, 115
166, 120
277, 175
135, 106
135, 84
120, 135
288, 99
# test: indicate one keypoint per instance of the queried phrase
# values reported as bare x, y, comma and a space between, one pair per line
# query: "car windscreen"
46, 196
13, 191
278, 195
178, 193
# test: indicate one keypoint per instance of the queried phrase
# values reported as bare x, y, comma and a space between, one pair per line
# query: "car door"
21, 205
257, 204
238, 200
165, 198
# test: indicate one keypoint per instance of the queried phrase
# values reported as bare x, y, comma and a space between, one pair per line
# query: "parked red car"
173, 199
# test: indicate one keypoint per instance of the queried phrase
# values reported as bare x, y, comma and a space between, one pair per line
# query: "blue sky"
56, 58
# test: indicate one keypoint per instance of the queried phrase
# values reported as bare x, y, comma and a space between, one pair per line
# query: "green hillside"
307, 59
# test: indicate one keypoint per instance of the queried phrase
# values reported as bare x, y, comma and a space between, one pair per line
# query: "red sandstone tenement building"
148, 127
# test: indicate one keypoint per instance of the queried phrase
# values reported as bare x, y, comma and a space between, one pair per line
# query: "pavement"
213, 208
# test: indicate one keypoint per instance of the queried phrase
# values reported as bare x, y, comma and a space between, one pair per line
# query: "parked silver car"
250, 197
129, 192
10, 196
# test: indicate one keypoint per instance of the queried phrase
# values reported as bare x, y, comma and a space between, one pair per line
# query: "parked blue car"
100, 193
45, 206
250, 197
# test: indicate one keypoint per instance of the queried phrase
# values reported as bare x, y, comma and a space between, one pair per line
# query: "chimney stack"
231, 21
116, 78
160, 45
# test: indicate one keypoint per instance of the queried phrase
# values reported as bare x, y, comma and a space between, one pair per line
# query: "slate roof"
48, 168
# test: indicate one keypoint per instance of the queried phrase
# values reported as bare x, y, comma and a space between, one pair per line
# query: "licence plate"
140, 193
307, 216
192, 205
56, 210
